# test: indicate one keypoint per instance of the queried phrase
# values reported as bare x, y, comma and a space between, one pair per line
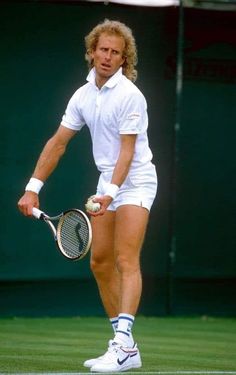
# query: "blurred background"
187, 72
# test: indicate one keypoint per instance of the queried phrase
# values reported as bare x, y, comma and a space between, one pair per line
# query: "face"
107, 57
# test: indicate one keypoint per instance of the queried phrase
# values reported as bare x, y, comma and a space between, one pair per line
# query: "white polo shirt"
117, 108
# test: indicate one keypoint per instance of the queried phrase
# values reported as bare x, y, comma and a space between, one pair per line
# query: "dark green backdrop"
42, 64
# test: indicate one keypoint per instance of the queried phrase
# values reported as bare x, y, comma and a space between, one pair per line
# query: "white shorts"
139, 188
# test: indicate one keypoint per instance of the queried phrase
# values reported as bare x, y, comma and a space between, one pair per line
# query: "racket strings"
74, 234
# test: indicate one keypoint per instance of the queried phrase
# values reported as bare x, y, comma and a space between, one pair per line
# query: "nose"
108, 55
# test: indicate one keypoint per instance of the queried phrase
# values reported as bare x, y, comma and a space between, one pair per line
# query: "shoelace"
113, 348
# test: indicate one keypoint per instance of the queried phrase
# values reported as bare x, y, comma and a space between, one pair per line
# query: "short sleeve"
133, 117
72, 117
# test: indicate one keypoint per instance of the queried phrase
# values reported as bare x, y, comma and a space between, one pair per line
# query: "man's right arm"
47, 162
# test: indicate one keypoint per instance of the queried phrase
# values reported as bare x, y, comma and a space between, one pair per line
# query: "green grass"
166, 344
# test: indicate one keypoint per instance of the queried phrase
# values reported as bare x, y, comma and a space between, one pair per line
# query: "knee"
127, 266
100, 266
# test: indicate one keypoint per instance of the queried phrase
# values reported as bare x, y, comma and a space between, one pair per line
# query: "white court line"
128, 373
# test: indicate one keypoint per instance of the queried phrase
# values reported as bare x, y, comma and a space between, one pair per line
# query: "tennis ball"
92, 206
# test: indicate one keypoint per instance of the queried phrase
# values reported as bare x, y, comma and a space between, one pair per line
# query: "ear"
123, 60
91, 54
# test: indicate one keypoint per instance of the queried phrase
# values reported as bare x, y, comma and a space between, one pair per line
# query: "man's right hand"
27, 202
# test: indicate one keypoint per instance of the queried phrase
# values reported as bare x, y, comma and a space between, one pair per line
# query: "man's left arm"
120, 172
125, 158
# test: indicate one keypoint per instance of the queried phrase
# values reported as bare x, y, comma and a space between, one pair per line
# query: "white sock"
114, 323
124, 330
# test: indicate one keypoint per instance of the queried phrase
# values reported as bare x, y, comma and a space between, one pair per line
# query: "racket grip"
37, 213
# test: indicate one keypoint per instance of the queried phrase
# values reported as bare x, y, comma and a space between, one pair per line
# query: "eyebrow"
113, 49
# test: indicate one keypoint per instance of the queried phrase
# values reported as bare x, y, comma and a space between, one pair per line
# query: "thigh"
103, 236
130, 228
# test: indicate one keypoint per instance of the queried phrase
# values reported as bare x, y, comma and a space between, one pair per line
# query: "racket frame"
58, 231
38, 214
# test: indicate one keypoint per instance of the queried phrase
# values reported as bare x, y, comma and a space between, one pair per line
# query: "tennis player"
115, 111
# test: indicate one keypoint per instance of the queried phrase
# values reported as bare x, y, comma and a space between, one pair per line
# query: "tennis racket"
73, 234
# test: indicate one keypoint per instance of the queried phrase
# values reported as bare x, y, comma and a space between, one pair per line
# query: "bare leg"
130, 229
115, 261
103, 262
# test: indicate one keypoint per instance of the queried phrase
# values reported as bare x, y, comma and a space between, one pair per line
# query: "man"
115, 112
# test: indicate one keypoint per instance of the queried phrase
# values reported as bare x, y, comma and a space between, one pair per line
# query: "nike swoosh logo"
123, 360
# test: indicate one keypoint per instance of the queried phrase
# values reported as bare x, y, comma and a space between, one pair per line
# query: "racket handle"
37, 213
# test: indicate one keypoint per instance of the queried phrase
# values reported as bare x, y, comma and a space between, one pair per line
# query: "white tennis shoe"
90, 362
117, 358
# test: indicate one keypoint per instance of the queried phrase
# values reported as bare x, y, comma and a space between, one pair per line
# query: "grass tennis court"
167, 345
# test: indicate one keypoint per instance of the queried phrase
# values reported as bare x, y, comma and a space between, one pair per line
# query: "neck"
99, 84
100, 81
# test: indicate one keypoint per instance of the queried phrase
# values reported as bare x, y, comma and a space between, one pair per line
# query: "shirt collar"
111, 81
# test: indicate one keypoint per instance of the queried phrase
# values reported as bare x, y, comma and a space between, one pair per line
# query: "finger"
98, 200
22, 208
29, 210
97, 213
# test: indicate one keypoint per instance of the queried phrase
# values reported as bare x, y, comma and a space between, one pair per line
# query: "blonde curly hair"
130, 51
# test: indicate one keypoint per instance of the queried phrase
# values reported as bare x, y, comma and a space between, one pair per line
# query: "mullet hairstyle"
119, 29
